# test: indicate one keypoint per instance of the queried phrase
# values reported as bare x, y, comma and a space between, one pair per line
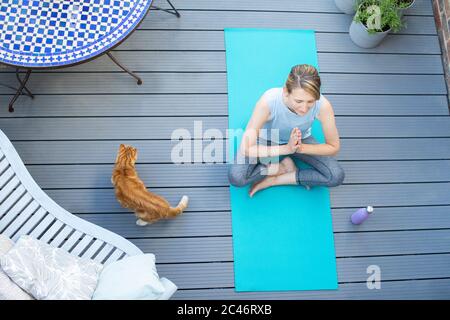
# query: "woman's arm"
332, 144
249, 146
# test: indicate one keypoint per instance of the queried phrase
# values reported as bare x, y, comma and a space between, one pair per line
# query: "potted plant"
373, 20
404, 5
346, 6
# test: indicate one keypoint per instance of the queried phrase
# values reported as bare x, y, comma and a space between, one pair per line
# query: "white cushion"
135, 278
169, 289
50, 273
8, 289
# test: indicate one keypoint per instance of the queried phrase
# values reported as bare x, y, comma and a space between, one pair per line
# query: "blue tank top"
283, 119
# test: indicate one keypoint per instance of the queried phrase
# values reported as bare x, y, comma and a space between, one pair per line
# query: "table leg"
28, 92
168, 11
131, 73
19, 91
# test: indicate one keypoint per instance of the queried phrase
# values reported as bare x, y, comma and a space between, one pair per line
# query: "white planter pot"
346, 6
405, 10
362, 38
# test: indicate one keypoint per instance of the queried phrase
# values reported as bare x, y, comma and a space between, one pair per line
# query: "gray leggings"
325, 171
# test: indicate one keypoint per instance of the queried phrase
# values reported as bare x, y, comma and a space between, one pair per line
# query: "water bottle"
361, 214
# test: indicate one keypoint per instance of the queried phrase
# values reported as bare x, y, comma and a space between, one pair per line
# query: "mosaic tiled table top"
52, 33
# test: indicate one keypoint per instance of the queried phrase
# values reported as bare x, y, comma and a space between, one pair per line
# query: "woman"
280, 127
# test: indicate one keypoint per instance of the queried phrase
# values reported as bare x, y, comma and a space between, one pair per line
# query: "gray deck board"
156, 128
395, 218
188, 224
220, 275
205, 198
391, 111
207, 40
121, 83
159, 151
395, 290
212, 105
350, 245
422, 7
213, 223
197, 61
391, 194
215, 175
417, 290
322, 22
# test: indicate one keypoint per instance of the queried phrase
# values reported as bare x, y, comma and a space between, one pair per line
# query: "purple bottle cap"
369, 209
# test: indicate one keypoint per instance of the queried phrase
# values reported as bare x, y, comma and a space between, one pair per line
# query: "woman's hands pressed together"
295, 140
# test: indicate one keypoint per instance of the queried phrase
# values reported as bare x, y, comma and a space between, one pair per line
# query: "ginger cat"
132, 193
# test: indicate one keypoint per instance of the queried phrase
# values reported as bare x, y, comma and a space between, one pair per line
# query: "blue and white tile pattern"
51, 33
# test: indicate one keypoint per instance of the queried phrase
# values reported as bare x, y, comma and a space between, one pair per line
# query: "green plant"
369, 12
401, 4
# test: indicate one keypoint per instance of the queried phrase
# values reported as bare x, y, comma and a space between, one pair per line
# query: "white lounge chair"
26, 209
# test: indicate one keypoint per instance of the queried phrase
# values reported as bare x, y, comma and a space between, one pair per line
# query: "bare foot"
285, 166
288, 165
263, 184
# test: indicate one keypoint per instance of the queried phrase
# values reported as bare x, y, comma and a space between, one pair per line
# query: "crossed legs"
324, 171
283, 173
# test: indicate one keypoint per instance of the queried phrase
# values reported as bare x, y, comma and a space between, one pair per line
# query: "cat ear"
122, 146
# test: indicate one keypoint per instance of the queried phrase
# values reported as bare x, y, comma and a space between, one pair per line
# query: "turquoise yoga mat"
283, 236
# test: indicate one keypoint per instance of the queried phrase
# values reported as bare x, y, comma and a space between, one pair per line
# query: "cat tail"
179, 208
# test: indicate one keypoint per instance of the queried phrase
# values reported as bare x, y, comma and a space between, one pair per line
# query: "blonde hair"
304, 76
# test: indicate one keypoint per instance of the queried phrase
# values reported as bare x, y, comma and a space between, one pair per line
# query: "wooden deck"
392, 115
